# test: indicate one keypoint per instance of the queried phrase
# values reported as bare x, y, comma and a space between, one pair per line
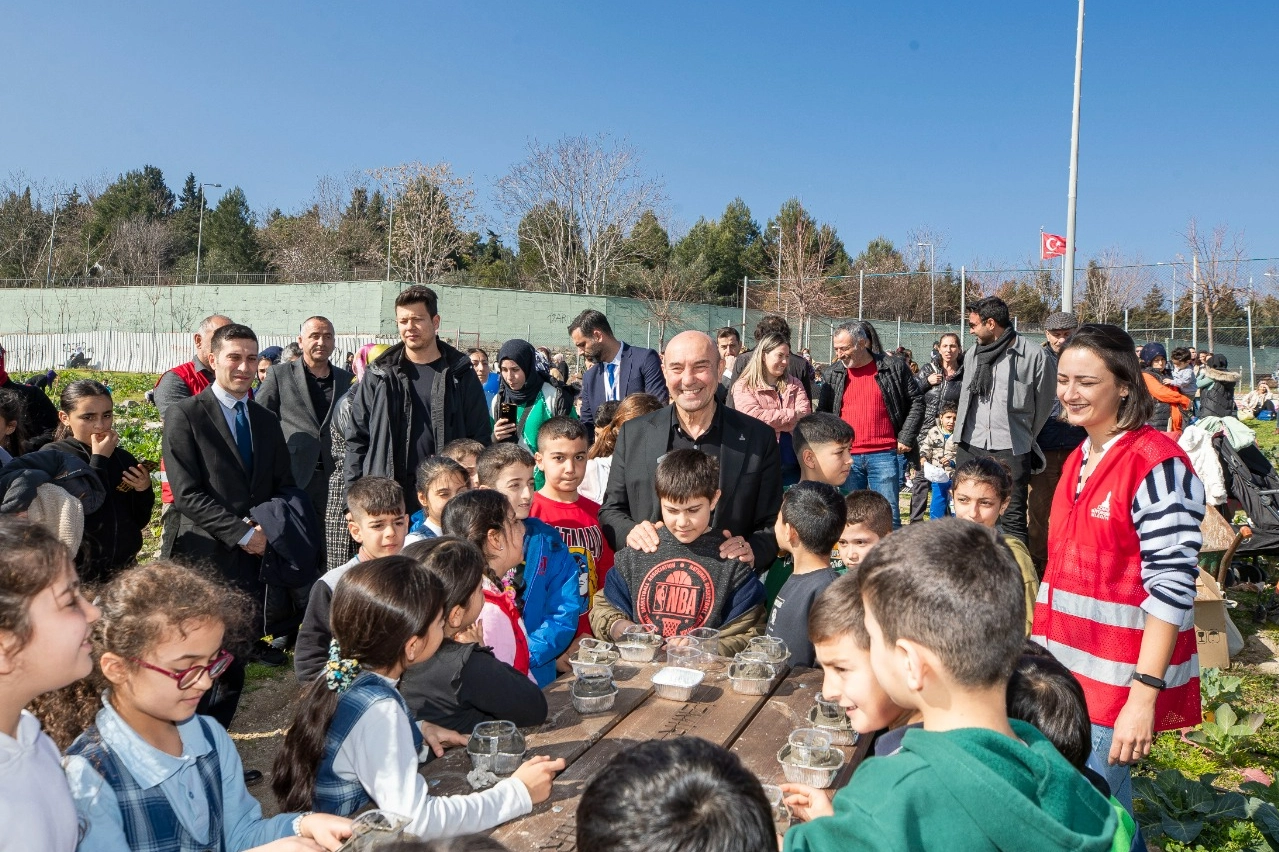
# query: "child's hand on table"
807, 803
537, 773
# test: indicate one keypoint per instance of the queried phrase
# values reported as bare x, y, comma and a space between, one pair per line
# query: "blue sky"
881, 117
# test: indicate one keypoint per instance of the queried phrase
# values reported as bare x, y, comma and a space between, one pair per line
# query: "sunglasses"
188, 678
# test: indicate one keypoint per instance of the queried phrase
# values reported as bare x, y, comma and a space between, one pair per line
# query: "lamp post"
390, 226
932, 282
779, 264
199, 234
1172, 309
53, 229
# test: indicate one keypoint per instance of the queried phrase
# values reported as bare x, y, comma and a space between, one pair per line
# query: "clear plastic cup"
809, 746
777, 805
684, 656
707, 639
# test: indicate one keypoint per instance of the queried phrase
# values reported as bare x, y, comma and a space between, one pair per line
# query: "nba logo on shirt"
1102, 510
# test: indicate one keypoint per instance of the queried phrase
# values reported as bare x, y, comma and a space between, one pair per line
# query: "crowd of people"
433, 532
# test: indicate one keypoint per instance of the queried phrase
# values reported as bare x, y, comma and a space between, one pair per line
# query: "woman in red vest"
1117, 601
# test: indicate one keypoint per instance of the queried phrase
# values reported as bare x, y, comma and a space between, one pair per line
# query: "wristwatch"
1150, 680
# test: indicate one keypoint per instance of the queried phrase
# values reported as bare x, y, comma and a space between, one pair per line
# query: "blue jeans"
1118, 777
880, 472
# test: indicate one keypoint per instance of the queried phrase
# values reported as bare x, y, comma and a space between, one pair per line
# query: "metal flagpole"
1068, 263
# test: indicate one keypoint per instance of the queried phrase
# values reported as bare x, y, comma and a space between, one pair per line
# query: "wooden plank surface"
784, 712
716, 713
565, 733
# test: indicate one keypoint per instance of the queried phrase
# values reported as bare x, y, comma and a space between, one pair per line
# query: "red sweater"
1089, 613
863, 408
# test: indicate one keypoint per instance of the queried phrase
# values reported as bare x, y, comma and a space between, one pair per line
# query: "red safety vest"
197, 381
1089, 613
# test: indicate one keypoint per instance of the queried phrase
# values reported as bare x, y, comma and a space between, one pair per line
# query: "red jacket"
197, 381
1088, 613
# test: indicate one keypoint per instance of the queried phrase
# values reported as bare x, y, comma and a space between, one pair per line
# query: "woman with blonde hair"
765, 391
599, 459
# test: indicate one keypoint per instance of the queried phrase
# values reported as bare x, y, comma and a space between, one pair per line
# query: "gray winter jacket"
377, 434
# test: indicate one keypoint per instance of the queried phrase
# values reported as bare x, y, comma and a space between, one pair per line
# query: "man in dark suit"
749, 462
620, 369
304, 394
224, 455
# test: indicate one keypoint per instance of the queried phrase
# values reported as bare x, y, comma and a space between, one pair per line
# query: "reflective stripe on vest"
1088, 612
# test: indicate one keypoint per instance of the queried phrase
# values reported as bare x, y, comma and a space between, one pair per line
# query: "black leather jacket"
902, 395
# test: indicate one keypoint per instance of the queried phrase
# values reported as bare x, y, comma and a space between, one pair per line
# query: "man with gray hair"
183, 382
304, 393
877, 396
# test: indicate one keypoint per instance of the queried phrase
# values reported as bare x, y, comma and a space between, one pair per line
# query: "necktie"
243, 437
611, 390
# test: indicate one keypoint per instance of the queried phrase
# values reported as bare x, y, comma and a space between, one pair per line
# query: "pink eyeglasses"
188, 678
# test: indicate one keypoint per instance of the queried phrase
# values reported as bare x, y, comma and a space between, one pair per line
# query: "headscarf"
1150, 352
525, 357
4, 377
272, 354
368, 353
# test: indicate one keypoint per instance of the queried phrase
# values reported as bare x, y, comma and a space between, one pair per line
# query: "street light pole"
199, 234
932, 282
390, 226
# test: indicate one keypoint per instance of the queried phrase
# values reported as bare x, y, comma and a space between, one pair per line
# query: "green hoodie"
968, 789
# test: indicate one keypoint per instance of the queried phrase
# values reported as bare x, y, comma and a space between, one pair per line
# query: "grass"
1258, 693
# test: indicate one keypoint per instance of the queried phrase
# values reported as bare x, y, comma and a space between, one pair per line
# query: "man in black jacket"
225, 454
877, 396
749, 462
304, 394
421, 394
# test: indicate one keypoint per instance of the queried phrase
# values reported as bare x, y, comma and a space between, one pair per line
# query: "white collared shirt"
228, 407
611, 389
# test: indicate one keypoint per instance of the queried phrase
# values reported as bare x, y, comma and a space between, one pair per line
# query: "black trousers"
1013, 524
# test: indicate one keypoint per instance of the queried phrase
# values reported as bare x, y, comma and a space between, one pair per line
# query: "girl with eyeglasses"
149, 773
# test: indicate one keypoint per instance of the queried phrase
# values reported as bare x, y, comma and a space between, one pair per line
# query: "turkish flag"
1051, 245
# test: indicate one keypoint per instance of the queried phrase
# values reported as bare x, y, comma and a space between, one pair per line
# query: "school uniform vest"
197, 381
334, 795
150, 824
1088, 613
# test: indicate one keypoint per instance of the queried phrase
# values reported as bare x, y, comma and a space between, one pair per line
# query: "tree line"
586, 218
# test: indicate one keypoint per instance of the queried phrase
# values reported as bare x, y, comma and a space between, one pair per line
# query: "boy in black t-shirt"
684, 584
808, 526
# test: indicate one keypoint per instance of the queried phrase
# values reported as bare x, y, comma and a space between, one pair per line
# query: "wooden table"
754, 727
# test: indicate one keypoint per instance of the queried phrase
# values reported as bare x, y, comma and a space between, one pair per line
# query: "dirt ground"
263, 716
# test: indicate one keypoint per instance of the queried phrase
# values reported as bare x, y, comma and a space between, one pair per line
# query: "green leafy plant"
1263, 809
1174, 806
1214, 685
1227, 731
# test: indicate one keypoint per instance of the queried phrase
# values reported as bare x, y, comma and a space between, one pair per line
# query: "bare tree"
301, 247
667, 291
802, 259
573, 203
434, 209
1112, 284
1220, 254
141, 246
